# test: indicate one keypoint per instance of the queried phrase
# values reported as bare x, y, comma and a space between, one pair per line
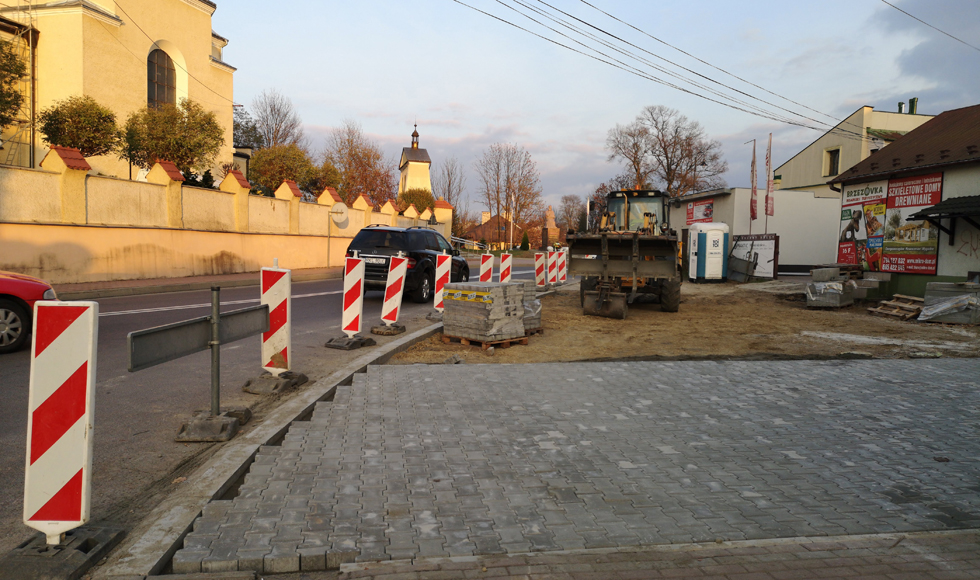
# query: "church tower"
414, 166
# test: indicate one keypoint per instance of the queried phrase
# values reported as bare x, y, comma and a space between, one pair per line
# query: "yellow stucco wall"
415, 176
69, 254
122, 202
81, 51
314, 220
268, 215
37, 238
208, 209
29, 196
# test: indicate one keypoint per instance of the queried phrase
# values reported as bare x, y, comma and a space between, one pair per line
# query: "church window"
161, 79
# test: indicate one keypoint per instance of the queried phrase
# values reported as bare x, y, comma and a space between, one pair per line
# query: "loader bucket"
611, 305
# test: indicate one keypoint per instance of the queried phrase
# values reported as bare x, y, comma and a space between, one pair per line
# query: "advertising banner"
760, 254
911, 247
701, 211
862, 224
874, 231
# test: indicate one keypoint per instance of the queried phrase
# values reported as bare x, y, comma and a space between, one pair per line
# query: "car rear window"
368, 240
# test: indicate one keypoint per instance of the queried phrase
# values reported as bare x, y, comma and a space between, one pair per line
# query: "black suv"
421, 245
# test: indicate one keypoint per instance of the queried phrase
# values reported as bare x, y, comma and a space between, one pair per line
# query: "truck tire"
670, 295
587, 284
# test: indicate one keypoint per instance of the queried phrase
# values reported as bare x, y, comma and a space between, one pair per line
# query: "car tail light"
350, 253
411, 263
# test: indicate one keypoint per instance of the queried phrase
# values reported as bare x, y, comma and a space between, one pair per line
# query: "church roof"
410, 155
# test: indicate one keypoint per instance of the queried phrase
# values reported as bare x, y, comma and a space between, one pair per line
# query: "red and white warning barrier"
552, 267
350, 322
486, 268
58, 480
397, 269
443, 267
540, 269
505, 260
277, 342
563, 265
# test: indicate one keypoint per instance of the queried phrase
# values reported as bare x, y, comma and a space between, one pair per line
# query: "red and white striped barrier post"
353, 295
486, 268
443, 267
552, 267
540, 269
397, 269
60, 423
505, 270
563, 265
277, 342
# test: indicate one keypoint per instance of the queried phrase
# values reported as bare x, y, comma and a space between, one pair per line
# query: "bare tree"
631, 143
277, 121
362, 166
509, 183
682, 156
450, 184
570, 211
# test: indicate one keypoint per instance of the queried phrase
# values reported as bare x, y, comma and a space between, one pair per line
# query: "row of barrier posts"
63, 369
61, 409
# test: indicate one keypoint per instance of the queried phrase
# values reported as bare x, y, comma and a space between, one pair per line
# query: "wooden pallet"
485, 344
530, 331
900, 306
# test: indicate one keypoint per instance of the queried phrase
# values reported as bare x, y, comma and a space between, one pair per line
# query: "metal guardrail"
154, 346
464, 242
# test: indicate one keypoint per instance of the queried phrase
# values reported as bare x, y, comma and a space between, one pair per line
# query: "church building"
414, 167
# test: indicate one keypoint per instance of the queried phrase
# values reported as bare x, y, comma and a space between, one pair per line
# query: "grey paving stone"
432, 461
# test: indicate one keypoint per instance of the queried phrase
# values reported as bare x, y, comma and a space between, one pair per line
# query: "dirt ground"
715, 321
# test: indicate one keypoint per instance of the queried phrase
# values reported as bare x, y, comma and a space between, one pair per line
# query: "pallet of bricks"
484, 313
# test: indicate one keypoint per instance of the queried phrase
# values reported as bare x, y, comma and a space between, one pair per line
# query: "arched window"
161, 79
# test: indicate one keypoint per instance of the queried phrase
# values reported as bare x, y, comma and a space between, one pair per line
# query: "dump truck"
630, 253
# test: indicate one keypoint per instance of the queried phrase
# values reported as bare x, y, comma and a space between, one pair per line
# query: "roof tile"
242, 182
949, 138
441, 203
332, 192
72, 157
171, 169
293, 187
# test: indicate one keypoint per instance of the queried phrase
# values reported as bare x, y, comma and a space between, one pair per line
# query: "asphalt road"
137, 414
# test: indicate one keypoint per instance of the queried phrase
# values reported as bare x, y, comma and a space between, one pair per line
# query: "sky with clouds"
470, 80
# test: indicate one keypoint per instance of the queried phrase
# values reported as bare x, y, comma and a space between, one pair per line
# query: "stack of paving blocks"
532, 306
829, 289
484, 311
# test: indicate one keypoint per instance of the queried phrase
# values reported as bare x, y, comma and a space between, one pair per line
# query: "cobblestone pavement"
436, 461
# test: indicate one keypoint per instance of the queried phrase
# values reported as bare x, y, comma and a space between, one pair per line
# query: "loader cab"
637, 210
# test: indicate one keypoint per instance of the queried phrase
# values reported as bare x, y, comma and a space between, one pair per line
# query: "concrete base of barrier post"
270, 384
79, 550
345, 343
205, 428
386, 330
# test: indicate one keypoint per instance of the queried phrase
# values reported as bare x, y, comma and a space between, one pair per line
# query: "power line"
632, 70
931, 26
686, 69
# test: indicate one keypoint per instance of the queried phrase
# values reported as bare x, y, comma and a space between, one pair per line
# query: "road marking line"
192, 306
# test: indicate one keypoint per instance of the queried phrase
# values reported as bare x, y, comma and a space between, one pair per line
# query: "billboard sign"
700, 211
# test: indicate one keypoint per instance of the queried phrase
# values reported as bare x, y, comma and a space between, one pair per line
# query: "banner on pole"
755, 188
769, 184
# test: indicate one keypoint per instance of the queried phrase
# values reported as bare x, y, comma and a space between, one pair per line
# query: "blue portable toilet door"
702, 250
714, 260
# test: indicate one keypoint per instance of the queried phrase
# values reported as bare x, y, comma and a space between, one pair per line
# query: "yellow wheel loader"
629, 254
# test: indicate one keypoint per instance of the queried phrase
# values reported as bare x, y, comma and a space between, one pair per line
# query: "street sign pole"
215, 345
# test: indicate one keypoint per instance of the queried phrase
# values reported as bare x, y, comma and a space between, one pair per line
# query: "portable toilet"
709, 245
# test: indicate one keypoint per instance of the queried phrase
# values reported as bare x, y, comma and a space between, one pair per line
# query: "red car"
18, 293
